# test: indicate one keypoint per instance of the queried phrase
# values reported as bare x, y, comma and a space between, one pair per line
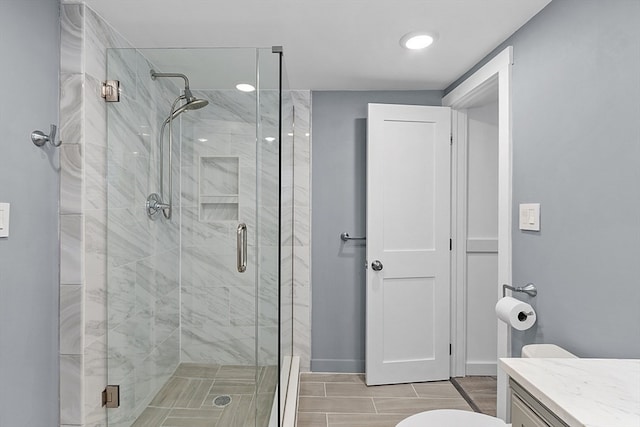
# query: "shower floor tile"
187, 398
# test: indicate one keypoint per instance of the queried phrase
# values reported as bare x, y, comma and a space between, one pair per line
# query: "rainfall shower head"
192, 103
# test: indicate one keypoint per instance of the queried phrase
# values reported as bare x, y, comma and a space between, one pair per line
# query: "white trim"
499, 67
458, 235
291, 401
463, 91
482, 246
505, 194
487, 369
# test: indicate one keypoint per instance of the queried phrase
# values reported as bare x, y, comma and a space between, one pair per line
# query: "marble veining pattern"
71, 319
143, 255
71, 237
302, 226
72, 268
71, 390
582, 392
70, 179
124, 168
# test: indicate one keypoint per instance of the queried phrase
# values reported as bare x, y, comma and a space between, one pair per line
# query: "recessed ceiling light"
269, 139
245, 87
202, 139
417, 40
290, 134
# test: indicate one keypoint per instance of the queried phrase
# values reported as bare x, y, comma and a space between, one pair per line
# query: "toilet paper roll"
515, 313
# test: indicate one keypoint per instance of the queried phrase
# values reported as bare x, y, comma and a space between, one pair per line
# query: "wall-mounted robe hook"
40, 138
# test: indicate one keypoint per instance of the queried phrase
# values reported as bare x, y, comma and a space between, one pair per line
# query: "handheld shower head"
191, 104
195, 103
155, 202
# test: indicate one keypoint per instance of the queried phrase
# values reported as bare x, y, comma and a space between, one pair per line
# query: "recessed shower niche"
218, 188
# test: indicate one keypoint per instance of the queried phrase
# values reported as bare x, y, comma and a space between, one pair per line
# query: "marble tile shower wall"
218, 303
83, 221
218, 166
302, 228
86, 177
84, 39
142, 255
286, 247
218, 192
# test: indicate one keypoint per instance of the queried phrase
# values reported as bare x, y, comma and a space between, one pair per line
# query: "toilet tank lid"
546, 350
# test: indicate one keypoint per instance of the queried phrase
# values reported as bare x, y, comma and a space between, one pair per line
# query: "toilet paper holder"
529, 289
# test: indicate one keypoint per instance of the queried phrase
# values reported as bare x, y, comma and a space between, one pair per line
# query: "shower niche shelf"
218, 182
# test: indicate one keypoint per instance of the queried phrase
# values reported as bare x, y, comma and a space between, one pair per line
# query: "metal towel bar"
345, 237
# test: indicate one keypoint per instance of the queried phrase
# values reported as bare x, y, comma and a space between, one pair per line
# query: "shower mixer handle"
154, 205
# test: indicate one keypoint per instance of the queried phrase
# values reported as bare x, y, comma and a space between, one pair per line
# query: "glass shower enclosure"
199, 237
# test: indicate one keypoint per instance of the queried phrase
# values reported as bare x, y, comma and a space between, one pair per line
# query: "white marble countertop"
582, 392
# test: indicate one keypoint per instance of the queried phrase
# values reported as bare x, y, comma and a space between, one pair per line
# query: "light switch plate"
530, 216
4, 219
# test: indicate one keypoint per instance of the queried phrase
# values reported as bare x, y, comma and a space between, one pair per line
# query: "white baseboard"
481, 369
337, 365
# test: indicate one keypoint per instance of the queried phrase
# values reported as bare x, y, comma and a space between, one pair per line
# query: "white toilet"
451, 418
546, 350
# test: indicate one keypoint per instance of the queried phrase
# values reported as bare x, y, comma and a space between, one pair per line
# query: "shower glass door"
189, 335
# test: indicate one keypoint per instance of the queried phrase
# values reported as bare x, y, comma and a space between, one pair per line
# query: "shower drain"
222, 401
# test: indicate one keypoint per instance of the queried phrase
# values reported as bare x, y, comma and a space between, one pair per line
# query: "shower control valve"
154, 205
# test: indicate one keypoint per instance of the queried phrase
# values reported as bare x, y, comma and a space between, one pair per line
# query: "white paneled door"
408, 248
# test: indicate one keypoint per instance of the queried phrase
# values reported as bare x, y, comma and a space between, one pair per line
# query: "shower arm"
187, 91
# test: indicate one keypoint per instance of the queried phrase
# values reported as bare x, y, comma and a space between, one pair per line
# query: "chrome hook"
39, 138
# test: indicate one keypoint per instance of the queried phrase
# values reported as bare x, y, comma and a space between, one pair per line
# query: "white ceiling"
332, 44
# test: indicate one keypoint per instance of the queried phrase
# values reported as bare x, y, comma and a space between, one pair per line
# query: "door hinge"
110, 91
451, 138
450, 349
111, 396
450, 244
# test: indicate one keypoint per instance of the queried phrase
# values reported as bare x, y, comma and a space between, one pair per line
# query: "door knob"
376, 265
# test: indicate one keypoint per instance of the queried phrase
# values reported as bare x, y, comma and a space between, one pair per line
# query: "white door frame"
498, 70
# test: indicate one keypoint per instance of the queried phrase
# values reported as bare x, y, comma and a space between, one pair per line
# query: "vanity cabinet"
523, 416
527, 411
573, 392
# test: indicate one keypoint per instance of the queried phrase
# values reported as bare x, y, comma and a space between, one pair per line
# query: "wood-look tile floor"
331, 400
481, 391
186, 399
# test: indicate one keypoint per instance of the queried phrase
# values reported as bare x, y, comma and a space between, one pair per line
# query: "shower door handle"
242, 247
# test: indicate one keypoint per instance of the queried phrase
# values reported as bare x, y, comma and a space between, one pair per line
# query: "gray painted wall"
29, 181
576, 136
339, 204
